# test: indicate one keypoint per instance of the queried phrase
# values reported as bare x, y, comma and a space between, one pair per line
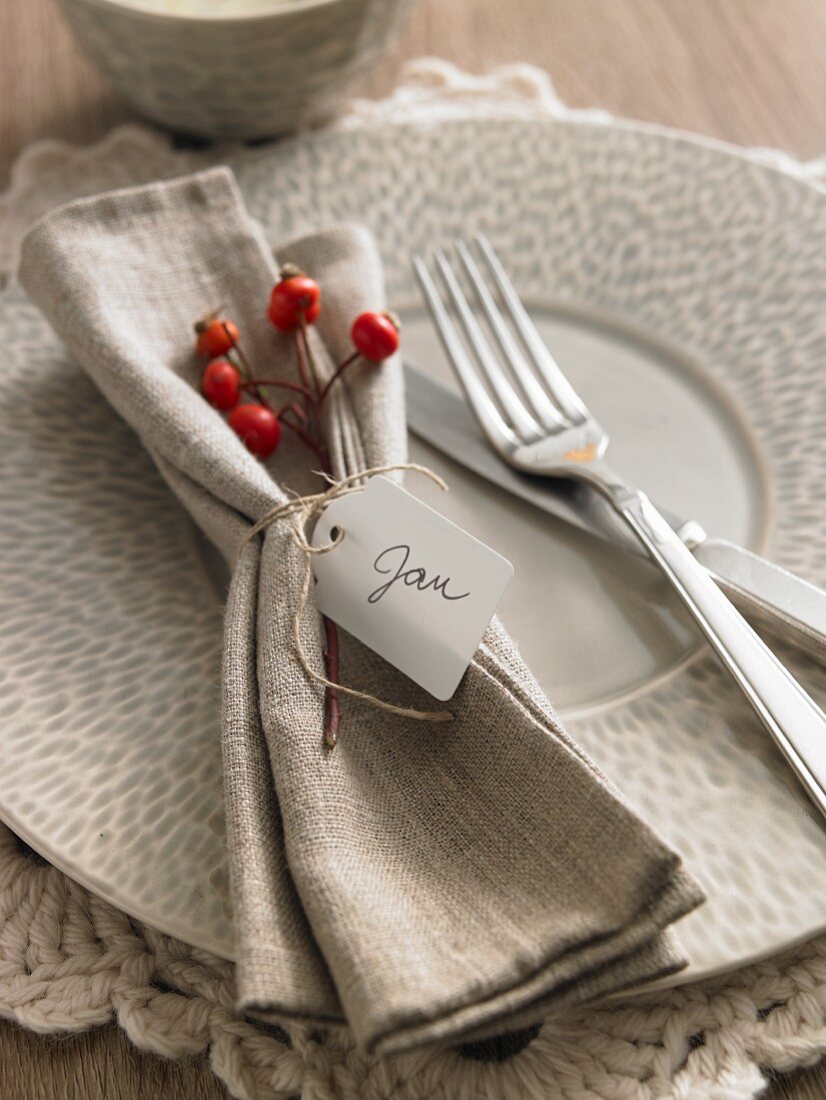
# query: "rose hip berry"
215, 338
258, 427
295, 297
221, 385
375, 335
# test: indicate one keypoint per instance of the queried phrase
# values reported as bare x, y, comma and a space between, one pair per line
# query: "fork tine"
558, 385
489, 418
520, 419
537, 398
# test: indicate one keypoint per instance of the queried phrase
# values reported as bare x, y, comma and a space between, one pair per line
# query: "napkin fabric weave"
421, 882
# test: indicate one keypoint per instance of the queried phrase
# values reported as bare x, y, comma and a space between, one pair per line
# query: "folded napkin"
422, 882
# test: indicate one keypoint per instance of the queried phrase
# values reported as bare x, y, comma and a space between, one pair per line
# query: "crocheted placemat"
69, 961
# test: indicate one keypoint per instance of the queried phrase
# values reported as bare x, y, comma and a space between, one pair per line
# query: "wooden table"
749, 71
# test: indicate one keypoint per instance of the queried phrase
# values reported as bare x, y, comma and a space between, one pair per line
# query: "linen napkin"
421, 882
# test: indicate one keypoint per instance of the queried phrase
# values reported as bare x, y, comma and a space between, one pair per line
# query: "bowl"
254, 74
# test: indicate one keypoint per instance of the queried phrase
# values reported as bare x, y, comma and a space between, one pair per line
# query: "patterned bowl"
238, 76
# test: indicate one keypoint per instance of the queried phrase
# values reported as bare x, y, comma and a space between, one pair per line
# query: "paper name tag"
408, 583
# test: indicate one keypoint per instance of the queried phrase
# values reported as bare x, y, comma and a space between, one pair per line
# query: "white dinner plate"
681, 285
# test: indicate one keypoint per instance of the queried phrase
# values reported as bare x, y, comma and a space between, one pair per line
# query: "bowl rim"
133, 7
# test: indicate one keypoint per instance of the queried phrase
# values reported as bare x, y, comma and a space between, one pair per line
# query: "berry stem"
241, 363
294, 407
307, 369
331, 665
302, 351
291, 406
305, 352
306, 440
246, 369
296, 387
340, 369
303, 418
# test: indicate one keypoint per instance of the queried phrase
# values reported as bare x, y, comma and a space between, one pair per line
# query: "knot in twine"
302, 511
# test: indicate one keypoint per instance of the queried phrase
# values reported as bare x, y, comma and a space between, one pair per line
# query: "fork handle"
793, 719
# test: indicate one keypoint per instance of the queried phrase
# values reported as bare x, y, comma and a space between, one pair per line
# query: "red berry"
216, 338
293, 298
376, 336
221, 384
258, 427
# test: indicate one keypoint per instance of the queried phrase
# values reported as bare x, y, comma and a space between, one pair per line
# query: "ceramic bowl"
237, 76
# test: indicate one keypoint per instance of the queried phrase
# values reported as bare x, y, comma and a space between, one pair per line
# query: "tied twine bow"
302, 511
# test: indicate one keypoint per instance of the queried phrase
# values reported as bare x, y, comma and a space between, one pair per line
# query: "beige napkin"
421, 882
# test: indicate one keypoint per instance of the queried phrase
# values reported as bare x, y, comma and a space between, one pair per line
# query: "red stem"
246, 369
333, 698
307, 352
302, 351
306, 368
291, 407
340, 369
312, 392
239, 361
307, 441
294, 407
296, 387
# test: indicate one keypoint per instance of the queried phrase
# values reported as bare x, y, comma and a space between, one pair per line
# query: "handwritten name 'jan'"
394, 560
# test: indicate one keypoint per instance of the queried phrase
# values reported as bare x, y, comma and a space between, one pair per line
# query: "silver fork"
536, 421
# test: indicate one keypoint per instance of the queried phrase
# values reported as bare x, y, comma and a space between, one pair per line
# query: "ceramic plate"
681, 286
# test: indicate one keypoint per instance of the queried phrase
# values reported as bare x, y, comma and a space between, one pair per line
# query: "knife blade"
771, 597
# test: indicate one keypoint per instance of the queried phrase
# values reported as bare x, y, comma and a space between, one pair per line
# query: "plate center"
595, 624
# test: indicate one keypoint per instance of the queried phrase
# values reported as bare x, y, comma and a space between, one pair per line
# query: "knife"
768, 595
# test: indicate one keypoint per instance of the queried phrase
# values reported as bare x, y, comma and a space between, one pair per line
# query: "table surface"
748, 71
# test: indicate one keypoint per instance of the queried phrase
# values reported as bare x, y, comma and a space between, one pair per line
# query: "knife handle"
771, 598
793, 719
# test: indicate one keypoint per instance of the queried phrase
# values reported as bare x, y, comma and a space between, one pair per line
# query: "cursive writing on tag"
407, 582
415, 576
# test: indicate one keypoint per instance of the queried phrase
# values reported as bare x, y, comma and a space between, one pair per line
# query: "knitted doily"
69, 961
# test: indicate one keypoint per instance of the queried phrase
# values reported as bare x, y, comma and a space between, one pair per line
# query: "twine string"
302, 511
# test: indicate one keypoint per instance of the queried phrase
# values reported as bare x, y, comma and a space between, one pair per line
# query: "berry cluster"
295, 303
229, 383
